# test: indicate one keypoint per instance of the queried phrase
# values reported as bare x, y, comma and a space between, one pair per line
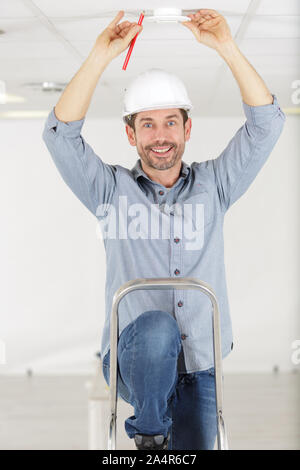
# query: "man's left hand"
209, 28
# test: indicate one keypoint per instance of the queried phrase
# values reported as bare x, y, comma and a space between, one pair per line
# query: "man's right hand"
116, 37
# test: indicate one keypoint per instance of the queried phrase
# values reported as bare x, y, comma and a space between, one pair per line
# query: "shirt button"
180, 303
161, 192
183, 336
176, 272
176, 240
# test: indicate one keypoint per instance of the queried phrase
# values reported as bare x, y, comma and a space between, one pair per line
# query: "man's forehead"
159, 113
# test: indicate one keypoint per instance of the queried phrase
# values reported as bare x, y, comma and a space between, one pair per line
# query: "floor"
51, 412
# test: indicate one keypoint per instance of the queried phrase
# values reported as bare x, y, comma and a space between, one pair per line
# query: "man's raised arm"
91, 180
238, 164
211, 29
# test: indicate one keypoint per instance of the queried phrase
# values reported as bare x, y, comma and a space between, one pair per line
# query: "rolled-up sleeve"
90, 179
239, 163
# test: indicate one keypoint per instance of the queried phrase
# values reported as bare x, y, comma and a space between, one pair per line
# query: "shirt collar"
138, 171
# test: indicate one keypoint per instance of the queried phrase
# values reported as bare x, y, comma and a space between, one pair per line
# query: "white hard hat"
155, 89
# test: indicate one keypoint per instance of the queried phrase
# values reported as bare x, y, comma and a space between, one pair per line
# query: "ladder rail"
166, 283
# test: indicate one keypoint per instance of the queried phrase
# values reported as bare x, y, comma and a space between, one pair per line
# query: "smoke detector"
167, 15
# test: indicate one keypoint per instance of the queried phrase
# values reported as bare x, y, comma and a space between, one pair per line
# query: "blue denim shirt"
124, 200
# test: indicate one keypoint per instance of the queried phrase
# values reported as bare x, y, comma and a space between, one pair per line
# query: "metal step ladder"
165, 283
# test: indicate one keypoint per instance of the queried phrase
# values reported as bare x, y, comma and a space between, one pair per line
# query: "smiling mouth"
162, 154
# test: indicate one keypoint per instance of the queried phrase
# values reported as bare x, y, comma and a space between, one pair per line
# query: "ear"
187, 129
131, 135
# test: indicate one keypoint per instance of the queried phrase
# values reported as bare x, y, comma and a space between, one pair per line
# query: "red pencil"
132, 43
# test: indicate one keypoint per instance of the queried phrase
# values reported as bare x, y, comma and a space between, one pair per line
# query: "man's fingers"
120, 28
124, 25
207, 11
132, 32
116, 19
207, 21
192, 26
124, 31
201, 16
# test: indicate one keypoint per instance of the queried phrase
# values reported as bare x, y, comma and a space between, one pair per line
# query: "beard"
163, 162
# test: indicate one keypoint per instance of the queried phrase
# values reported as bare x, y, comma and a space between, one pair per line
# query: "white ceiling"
48, 40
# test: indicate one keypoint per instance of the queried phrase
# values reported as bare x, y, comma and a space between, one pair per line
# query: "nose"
160, 137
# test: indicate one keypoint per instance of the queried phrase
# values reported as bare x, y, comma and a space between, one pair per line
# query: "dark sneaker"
146, 442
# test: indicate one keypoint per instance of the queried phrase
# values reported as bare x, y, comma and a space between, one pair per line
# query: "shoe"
147, 442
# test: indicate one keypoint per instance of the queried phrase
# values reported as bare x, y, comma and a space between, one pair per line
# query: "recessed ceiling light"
23, 114
46, 87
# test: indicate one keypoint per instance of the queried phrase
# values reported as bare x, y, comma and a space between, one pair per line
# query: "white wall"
52, 271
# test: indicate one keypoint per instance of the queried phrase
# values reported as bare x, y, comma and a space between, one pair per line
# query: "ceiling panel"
278, 7
14, 9
38, 70
271, 46
228, 100
57, 8
25, 30
271, 62
274, 27
15, 50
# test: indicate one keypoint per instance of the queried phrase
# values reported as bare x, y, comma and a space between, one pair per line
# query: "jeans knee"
158, 320
159, 329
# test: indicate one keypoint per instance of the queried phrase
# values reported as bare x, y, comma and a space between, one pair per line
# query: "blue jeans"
163, 400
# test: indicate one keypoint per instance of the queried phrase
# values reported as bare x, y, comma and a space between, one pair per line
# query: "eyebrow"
167, 117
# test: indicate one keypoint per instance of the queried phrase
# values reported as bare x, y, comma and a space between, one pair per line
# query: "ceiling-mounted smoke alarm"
167, 15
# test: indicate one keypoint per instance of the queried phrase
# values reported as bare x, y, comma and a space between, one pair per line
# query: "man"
165, 360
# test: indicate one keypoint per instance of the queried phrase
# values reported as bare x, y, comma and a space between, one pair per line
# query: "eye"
149, 123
